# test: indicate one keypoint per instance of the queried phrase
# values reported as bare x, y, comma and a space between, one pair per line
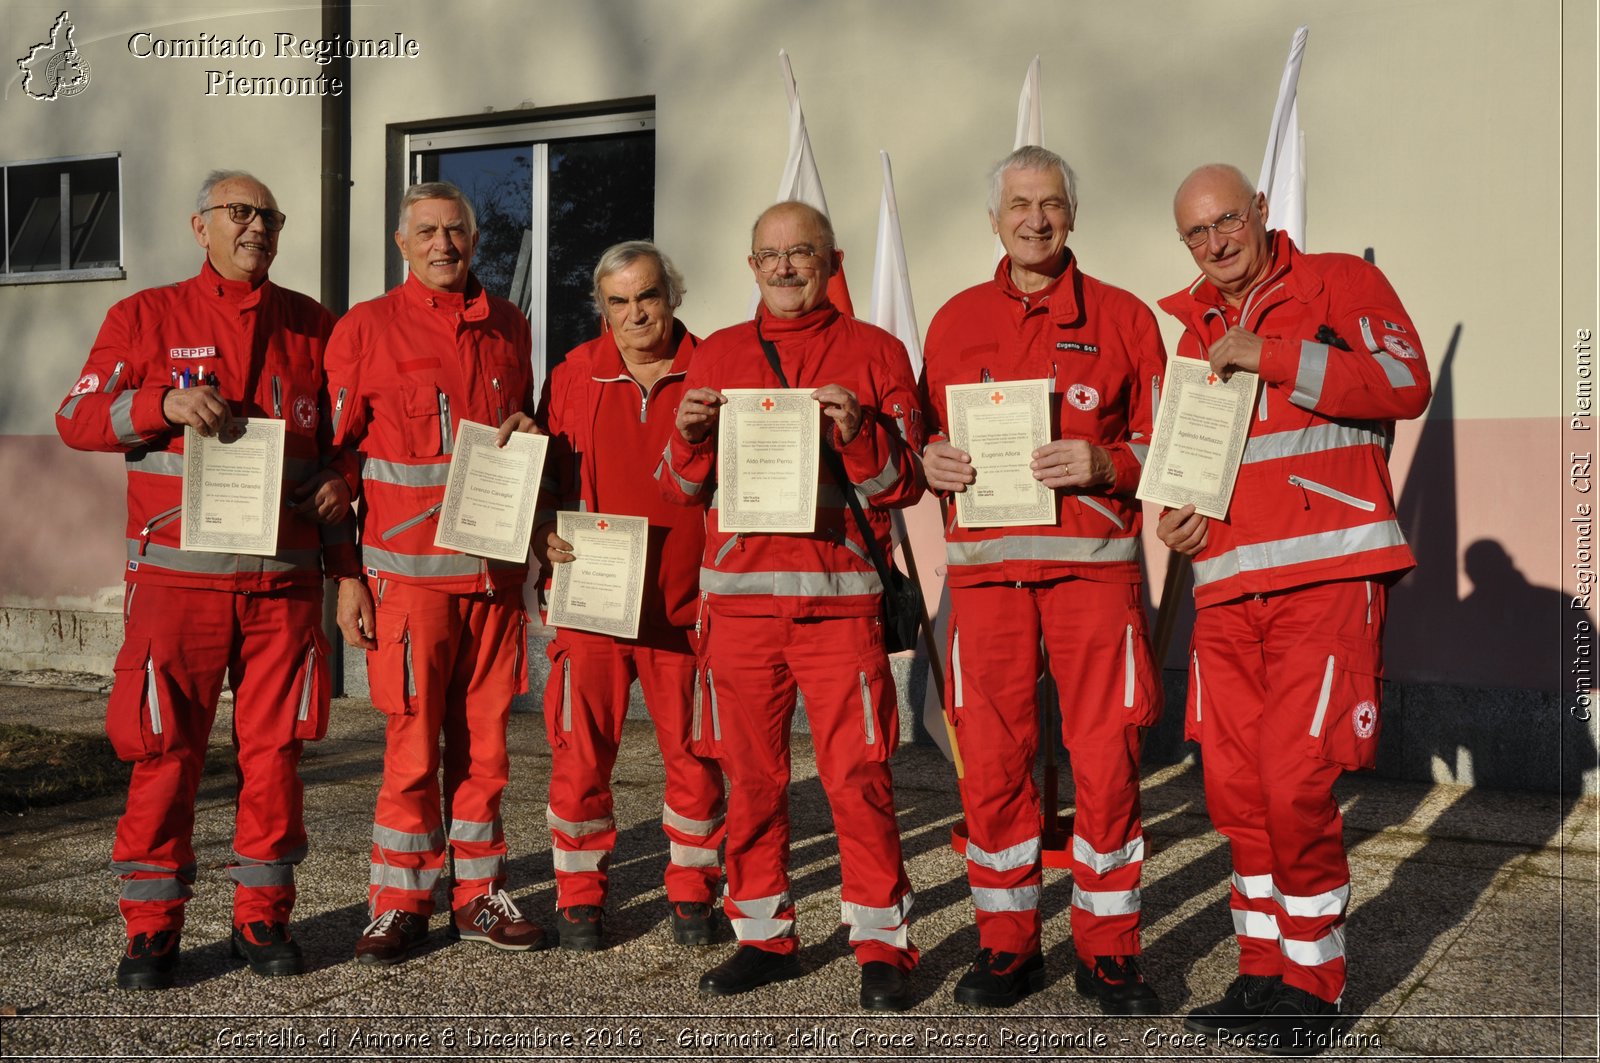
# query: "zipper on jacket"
338, 409
127, 605
405, 525
444, 423
1261, 407
305, 687
152, 695
277, 397
1155, 397
383, 585
566, 695
160, 520
900, 419
499, 403
116, 374
1103, 510
866, 710
700, 615
483, 572
695, 726
737, 540
1329, 492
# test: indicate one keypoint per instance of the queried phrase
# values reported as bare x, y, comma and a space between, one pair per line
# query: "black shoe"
580, 926
268, 949
1118, 984
1240, 1008
883, 987
749, 968
149, 961
692, 922
1000, 979
1298, 1023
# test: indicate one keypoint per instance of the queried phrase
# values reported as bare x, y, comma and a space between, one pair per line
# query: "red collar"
816, 319
472, 304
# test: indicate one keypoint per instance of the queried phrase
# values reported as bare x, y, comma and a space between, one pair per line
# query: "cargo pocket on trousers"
879, 711
311, 707
1346, 719
134, 720
1195, 703
390, 675
1142, 696
558, 696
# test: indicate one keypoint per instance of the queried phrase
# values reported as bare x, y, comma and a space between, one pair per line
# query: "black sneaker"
268, 949
692, 922
1000, 979
1298, 1023
749, 968
1240, 1008
1118, 984
883, 987
580, 927
149, 961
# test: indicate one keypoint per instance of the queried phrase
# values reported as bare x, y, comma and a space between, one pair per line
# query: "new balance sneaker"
268, 949
749, 968
148, 961
692, 922
580, 927
1298, 1023
390, 937
1000, 979
1240, 1008
1118, 984
495, 920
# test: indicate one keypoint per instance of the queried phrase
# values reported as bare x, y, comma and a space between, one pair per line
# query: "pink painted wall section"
61, 538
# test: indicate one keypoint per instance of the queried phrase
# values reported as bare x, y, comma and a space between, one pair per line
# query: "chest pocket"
424, 420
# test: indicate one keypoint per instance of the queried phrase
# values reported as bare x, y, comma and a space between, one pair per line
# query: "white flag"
1030, 126
892, 309
1283, 168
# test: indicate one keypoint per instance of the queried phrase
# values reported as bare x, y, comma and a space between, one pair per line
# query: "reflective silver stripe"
880, 483
1261, 407
1313, 371
1017, 899
762, 907
1023, 854
957, 692
863, 915
420, 564
122, 420
1399, 376
1140, 452
716, 717
404, 475
1128, 676
1256, 887
866, 710
1367, 337
1099, 862
791, 584
1040, 548
688, 487
1263, 925
399, 841
850, 544
762, 929
386, 876
577, 829
1312, 439
258, 875
1318, 546
480, 867
897, 937
1108, 902
1314, 953
1317, 906
1333, 493
128, 867
698, 827
1199, 690
71, 406
152, 694
691, 855
1322, 698
308, 683
466, 830
154, 889
566, 699
1104, 511
221, 564
724, 549
411, 522
580, 860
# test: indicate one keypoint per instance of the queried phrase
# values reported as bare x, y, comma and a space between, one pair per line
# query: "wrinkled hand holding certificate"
767, 459
1000, 425
233, 488
1199, 437
490, 495
601, 588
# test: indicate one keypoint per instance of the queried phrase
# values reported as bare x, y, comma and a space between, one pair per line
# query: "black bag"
902, 610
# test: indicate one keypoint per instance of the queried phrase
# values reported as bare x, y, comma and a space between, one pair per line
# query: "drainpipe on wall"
335, 291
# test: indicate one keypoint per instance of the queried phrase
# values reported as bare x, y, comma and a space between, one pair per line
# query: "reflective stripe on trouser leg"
1311, 935
887, 926
766, 922
590, 684
693, 815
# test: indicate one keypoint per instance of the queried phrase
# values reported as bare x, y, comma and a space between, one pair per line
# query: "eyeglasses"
1229, 223
801, 257
243, 212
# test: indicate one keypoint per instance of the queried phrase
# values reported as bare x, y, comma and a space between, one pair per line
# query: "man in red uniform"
1075, 582
801, 610
609, 408
1290, 590
447, 635
227, 343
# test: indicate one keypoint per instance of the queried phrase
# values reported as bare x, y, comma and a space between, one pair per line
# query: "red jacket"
1341, 362
1101, 348
829, 571
403, 370
265, 347
571, 412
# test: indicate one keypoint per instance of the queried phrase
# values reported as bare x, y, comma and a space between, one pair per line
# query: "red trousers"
1284, 695
445, 664
1100, 657
585, 701
179, 645
753, 667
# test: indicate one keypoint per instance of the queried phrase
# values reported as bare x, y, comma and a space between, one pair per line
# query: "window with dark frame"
63, 219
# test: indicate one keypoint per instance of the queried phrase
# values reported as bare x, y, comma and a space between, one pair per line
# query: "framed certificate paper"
1001, 424
233, 488
490, 495
1199, 437
767, 459
601, 588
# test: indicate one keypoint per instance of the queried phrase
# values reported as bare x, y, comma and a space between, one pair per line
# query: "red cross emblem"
1211, 378
767, 404
602, 524
998, 397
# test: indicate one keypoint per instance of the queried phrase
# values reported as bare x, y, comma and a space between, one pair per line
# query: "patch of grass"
40, 767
